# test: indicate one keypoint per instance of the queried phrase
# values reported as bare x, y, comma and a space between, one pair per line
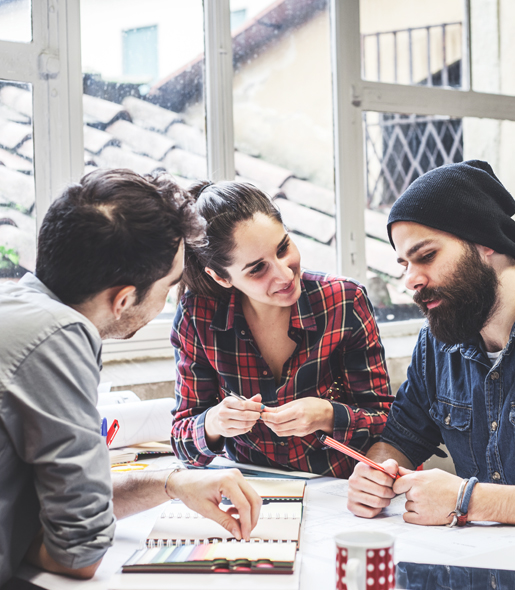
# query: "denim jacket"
454, 395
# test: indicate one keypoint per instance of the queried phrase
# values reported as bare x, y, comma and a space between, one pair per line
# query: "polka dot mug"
364, 561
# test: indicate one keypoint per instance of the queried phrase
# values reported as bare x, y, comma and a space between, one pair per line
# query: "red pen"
330, 442
111, 433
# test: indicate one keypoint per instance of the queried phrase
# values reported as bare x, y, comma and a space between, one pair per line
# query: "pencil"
330, 442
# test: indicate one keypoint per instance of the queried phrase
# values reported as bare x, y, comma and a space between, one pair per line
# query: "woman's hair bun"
196, 189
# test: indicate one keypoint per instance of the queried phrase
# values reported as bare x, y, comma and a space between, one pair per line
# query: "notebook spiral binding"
194, 515
159, 543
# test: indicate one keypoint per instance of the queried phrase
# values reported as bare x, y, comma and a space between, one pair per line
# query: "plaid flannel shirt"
339, 357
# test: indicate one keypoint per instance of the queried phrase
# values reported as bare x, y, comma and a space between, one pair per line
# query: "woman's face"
266, 263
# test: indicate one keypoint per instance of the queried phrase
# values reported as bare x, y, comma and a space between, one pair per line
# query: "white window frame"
52, 64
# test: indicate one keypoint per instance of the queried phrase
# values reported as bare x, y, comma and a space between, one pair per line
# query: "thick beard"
469, 299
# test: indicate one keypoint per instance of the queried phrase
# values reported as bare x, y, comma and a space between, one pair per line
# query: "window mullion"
218, 89
348, 139
58, 133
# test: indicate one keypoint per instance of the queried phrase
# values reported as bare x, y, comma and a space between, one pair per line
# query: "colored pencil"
330, 442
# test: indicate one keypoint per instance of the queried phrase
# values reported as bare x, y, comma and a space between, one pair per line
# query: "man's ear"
121, 299
222, 282
485, 252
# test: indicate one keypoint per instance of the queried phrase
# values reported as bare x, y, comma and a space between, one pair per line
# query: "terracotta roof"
255, 35
148, 138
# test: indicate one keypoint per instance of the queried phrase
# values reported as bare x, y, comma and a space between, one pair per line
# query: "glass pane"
400, 148
17, 195
143, 87
492, 46
16, 20
407, 46
283, 119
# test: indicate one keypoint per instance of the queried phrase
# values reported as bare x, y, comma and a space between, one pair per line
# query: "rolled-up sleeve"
49, 412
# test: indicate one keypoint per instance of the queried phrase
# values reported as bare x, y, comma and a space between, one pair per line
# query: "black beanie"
464, 199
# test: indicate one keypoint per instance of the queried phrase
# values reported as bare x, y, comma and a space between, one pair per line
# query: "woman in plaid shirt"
301, 348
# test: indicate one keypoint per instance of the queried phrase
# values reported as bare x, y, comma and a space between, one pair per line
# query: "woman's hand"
300, 417
231, 417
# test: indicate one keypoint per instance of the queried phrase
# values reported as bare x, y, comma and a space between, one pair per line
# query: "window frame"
52, 64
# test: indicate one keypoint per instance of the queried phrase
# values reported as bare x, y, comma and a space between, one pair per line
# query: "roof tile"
141, 141
185, 164
18, 99
188, 138
306, 221
23, 242
381, 257
115, 157
95, 140
267, 174
9, 114
310, 195
16, 187
15, 162
26, 149
22, 221
314, 255
13, 134
148, 115
100, 113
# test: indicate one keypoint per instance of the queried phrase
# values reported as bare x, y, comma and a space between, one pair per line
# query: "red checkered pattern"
339, 357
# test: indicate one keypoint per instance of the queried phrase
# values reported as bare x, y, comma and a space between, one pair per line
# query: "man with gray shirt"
109, 251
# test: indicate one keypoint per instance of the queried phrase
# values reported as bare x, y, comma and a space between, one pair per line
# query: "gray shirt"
54, 465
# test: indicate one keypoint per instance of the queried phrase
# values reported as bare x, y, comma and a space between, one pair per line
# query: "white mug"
364, 561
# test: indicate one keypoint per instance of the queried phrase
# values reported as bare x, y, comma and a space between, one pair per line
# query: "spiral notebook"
184, 541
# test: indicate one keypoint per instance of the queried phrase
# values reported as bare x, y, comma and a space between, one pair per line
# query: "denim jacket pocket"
455, 423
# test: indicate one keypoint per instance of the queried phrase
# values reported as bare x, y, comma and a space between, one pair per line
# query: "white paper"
140, 422
107, 398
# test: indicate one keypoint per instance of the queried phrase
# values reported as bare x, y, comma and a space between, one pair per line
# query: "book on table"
183, 541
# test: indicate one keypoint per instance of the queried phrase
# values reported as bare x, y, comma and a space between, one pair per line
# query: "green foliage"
9, 258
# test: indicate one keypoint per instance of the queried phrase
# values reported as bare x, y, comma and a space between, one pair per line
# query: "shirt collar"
223, 319
474, 349
230, 311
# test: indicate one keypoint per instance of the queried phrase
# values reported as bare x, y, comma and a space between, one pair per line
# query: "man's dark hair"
113, 228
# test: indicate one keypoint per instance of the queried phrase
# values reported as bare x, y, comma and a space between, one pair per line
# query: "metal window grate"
400, 148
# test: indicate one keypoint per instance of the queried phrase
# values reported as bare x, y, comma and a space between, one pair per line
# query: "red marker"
111, 433
330, 442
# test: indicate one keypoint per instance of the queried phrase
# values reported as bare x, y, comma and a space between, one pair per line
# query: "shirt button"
282, 444
265, 372
243, 332
494, 376
496, 475
448, 419
494, 426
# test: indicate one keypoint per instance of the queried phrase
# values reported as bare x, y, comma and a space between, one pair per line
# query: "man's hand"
371, 490
430, 495
202, 491
300, 417
232, 417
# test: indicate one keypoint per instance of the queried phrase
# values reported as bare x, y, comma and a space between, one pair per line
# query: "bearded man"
454, 235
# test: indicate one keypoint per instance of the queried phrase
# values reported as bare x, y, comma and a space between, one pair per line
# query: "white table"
326, 514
